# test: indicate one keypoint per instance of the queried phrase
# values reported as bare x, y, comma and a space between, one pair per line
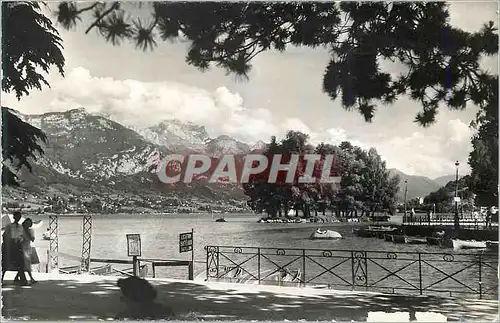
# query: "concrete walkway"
82, 297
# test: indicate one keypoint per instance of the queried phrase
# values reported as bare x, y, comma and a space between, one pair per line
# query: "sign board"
134, 245
185, 242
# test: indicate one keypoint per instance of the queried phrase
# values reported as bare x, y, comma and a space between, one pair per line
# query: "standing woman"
28, 238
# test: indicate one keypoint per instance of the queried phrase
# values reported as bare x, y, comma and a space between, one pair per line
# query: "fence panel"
447, 274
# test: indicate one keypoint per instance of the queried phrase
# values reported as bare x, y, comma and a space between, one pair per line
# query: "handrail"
386, 271
347, 250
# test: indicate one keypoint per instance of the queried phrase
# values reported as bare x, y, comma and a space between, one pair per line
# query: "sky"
284, 92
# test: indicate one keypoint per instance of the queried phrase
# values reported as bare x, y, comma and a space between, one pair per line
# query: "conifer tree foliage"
483, 158
30, 46
21, 142
442, 62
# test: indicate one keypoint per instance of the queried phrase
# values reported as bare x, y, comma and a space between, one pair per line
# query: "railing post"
134, 265
206, 263
191, 270
480, 278
258, 264
420, 272
154, 269
352, 271
217, 260
303, 267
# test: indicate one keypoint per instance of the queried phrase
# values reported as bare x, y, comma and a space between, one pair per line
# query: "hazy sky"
284, 92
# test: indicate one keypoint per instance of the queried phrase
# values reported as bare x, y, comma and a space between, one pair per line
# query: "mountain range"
94, 154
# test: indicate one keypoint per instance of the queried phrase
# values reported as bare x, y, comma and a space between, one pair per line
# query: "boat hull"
373, 232
466, 244
434, 241
413, 240
326, 235
397, 238
492, 245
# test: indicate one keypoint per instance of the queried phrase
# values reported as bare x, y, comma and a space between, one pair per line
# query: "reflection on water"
160, 237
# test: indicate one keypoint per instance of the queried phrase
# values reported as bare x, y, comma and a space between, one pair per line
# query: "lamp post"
406, 191
456, 218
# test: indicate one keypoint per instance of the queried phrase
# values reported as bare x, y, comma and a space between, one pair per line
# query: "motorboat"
397, 238
374, 231
434, 241
325, 234
415, 240
492, 245
47, 236
468, 244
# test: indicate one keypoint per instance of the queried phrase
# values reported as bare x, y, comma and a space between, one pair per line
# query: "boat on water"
47, 236
325, 234
468, 244
374, 231
434, 241
398, 238
492, 245
415, 240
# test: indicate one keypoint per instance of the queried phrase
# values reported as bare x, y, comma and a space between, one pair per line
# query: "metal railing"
447, 274
466, 222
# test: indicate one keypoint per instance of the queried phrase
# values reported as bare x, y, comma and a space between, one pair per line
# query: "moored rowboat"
492, 245
468, 244
415, 240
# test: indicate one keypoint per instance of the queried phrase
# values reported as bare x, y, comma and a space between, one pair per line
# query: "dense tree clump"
441, 200
483, 159
365, 185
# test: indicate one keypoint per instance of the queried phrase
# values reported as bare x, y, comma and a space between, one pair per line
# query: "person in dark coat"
12, 249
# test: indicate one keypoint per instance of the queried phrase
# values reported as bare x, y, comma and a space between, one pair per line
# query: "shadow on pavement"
81, 300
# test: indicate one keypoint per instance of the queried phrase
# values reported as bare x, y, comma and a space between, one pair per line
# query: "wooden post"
191, 271
47, 264
191, 268
134, 261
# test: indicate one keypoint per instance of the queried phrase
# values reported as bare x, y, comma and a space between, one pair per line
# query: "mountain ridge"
92, 147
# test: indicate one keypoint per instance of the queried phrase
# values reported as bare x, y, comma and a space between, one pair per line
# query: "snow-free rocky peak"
83, 145
176, 135
224, 145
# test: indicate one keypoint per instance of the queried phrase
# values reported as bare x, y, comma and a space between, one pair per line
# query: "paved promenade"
83, 297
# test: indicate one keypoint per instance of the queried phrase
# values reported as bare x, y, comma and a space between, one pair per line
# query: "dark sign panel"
185, 242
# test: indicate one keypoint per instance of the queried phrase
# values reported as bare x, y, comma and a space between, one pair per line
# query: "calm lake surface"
160, 238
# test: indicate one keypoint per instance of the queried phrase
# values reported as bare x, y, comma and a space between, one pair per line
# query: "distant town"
119, 203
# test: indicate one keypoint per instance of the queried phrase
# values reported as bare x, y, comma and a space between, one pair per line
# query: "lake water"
160, 238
